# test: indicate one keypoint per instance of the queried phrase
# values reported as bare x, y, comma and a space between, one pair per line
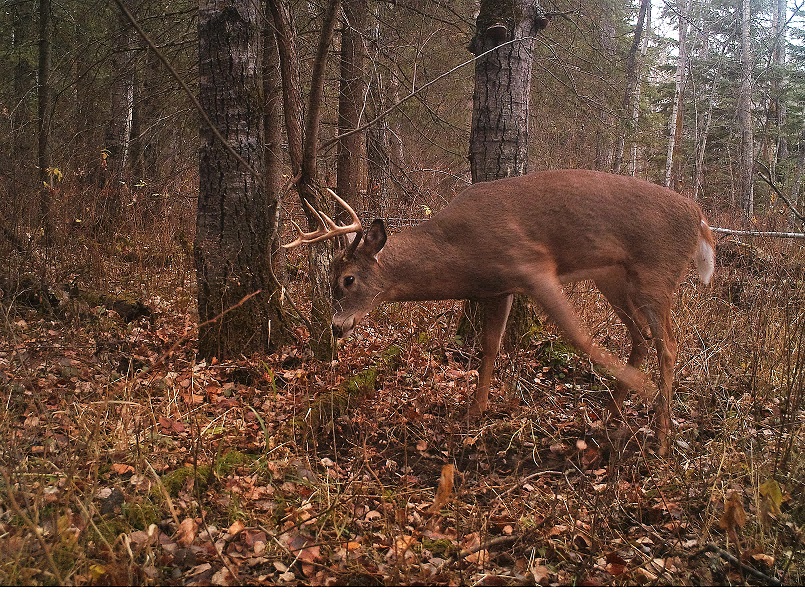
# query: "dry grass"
123, 466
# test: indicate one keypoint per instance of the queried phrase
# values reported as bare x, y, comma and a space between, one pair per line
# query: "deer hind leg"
547, 291
615, 290
495, 312
658, 315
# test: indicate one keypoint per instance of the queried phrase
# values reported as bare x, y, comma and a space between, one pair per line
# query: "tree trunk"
44, 100
303, 140
233, 221
631, 95
702, 132
350, 100
281, 331
778, 33
500, 102
500, 107
746, 151
119, 128
675, 122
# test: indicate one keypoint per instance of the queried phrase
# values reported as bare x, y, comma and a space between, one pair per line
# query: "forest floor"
126, 461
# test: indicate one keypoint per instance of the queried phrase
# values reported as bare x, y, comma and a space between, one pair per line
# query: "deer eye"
349, 280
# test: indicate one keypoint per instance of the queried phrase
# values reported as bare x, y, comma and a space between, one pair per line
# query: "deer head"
354, 280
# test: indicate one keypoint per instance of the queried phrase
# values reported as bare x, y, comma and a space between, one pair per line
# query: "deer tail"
705, 253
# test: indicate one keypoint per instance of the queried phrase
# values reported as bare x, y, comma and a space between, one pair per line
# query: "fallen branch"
778, 191
495, 541
740, 565
37, 533
782, 234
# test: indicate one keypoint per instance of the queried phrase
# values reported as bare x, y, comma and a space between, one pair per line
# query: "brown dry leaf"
351, 545
187, 531
236, 527
734, 516
401, 548
122, 469
445, 490
371, 515
222, 578
422, 446
764, 559
557, 529
559, 448
541, 574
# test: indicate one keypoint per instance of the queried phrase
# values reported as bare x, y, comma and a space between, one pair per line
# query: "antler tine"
327, 227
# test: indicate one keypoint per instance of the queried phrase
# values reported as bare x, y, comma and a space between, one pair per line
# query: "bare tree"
44, 94
351, 99
121, 115
746, 151
500, 107
302, 132
631, 96
676, 121
233, 225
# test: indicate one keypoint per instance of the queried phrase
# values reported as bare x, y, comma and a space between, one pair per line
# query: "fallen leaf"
557, 529
771, 497
734, 516
122, 469
540, 572
187, 531
236, 527
445, 490
764, 559
351, 545
222, 578
371, 515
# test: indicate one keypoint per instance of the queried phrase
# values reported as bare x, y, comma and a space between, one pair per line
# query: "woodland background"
132, 452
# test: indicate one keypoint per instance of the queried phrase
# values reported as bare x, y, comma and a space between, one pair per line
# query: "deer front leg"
495, 313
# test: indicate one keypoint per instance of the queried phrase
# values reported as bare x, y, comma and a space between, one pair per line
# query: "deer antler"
327, 228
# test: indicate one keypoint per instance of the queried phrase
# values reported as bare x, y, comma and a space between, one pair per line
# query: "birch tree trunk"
746, 151
676, 120
778, 31
631, 97
119, 128
44, 95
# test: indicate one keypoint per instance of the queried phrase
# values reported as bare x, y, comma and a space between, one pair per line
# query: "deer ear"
375, 237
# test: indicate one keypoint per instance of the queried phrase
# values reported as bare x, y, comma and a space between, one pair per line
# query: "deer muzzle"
342, 327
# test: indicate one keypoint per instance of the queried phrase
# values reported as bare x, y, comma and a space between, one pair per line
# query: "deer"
530, 235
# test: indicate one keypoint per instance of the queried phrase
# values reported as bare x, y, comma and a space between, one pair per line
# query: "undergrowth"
125, 461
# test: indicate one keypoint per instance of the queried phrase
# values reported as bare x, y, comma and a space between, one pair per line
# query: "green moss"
230, 461
337, 402
176, 480
109, 529
142, 513
439, 547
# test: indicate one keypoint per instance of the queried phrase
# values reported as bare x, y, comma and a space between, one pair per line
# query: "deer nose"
344, 328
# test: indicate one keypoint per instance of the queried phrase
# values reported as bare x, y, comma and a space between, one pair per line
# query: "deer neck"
418, 266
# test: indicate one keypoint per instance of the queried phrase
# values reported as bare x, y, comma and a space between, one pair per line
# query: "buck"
529, 235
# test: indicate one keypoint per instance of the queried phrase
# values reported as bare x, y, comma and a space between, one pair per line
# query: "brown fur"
529, 235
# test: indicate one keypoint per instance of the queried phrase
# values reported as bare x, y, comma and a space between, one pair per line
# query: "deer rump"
529, 235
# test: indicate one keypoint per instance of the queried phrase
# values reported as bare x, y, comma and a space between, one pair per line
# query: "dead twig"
769, 580
37, 532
